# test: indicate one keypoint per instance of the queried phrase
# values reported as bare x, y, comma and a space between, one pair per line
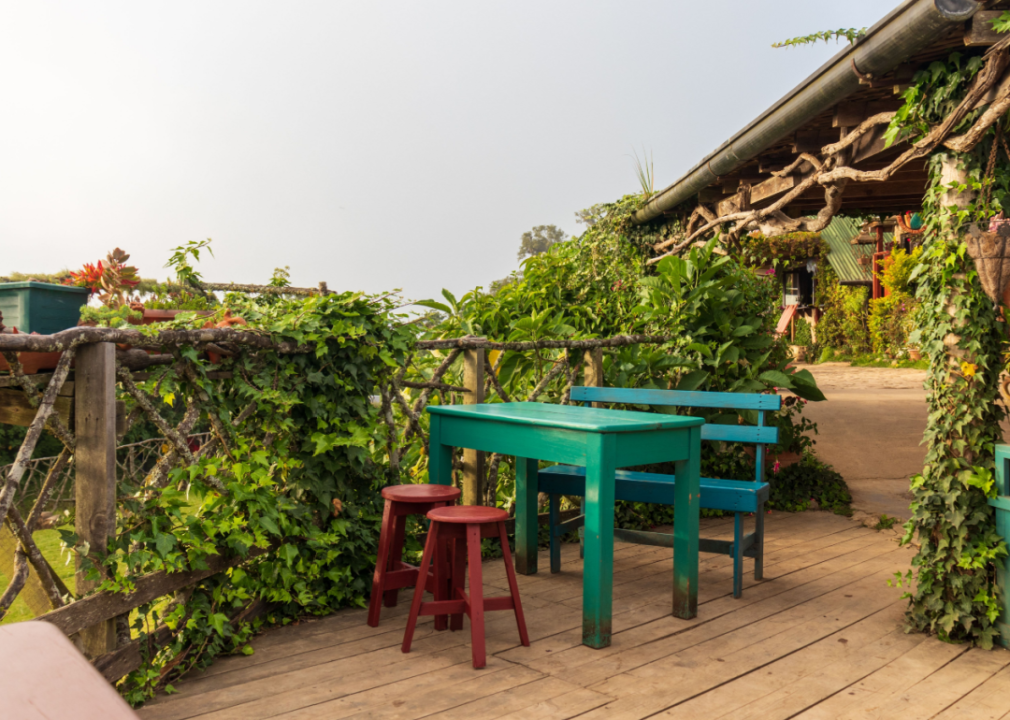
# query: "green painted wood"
1003, 469
685, 531
596, 420
716, 493
740, 433
44, 308
677, 398
654, 446
439, 455
527, 492
598, 567
542, 442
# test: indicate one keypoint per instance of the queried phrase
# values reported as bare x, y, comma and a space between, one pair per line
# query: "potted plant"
802, 339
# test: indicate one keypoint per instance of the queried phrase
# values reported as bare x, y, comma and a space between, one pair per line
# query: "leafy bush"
795, 486
782, 251
844, 322
890, 323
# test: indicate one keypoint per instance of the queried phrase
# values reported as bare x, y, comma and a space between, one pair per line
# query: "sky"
371, 145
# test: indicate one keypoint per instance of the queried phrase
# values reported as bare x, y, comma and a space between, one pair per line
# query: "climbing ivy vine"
962, 333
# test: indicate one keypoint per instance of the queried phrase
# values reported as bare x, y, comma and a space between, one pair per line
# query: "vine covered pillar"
95, 480
473, 460
955, 593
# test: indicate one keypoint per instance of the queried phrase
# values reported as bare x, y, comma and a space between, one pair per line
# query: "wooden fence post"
593, 372
473, 460
95, 480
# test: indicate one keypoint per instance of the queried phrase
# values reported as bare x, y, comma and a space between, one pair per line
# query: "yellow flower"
968, 369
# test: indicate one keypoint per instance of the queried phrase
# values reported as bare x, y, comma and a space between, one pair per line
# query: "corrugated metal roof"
844, 255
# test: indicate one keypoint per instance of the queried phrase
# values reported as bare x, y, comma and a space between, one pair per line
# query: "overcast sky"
372, 145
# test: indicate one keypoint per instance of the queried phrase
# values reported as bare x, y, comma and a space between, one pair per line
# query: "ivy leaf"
693, 380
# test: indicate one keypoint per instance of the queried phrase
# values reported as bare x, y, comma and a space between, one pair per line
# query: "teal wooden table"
600, 440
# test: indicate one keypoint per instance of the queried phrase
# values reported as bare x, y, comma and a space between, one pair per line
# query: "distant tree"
539, 239
591, 215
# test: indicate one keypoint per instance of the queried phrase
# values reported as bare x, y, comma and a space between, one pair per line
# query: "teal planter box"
1001, 504
41, 307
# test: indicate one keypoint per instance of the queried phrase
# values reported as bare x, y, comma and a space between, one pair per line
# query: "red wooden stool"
466, 524
391, 573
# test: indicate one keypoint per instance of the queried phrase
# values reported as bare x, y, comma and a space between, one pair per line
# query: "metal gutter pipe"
906, 30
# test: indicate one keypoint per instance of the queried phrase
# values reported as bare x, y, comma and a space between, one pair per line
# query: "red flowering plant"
113, 280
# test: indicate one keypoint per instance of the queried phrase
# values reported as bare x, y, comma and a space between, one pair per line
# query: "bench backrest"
760, 435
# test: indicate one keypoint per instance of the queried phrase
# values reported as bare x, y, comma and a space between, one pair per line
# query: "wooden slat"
15, 409
980, 32
677, 398
107, 605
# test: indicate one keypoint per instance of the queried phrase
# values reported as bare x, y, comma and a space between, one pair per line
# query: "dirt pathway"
870, 429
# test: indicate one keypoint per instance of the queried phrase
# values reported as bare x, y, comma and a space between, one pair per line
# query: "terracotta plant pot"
914, 354
34, 362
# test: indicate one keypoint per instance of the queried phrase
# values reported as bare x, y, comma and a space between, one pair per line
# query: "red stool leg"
395, 556
415, 606
381, 563
458, 579
513, 585
476, 596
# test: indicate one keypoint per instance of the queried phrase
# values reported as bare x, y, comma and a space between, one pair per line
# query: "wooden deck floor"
819, 638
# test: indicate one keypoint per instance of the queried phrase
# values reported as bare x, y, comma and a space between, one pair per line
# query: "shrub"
795, 486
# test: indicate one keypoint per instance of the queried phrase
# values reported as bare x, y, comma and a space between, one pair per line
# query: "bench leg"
737, 554
582, 530
759, 542
527, 490
554, 515
685, 531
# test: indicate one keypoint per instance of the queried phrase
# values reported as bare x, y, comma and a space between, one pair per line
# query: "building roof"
844, 256
865, 78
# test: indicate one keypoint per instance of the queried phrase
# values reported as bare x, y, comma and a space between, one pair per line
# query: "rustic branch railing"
91, 461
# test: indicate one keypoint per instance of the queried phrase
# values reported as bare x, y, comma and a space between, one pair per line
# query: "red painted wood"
468, 515
451, 543
421, 493
391, 573
788, 312
476, 595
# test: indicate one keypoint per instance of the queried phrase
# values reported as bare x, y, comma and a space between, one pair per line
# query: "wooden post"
95, 483
593, 370
473, 460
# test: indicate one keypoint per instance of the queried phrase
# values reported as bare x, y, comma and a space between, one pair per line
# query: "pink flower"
776, 467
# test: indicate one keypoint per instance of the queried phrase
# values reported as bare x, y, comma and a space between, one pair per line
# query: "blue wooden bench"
736, 496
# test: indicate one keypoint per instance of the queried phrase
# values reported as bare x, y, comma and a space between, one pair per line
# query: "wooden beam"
16, 410
107, 605
95, 480
710, 194
762, 191
811, 141
979, 32
473, 460
592, 371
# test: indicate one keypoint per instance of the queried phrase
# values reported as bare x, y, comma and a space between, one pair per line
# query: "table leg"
439, 455
598, 567
527, 490
685, 530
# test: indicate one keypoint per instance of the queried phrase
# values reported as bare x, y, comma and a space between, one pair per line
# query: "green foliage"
782, 252
794, 487
171, 297
304, 451
959, 330
890, 323
109, 317
646, 174
1002, 23
540, 239
897, 272
849, 34
885, 522
183, 259
804, 335
844, 321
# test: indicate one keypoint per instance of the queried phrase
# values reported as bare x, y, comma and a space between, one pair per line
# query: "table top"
568, 417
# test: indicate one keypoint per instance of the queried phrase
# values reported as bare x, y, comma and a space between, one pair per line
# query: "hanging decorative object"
991, 253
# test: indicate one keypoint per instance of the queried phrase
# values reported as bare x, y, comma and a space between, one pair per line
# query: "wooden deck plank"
654, 688
941, 689
891, 680
819, 638
989, 701
806, 677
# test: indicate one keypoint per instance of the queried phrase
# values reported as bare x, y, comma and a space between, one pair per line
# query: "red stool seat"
421, 493
468, 514
391, 573
463, 526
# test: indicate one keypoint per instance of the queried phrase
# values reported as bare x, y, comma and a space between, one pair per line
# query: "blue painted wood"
717, 494
676, 398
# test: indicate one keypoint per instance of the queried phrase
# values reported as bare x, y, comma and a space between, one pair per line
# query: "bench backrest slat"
740, 433
677, 398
